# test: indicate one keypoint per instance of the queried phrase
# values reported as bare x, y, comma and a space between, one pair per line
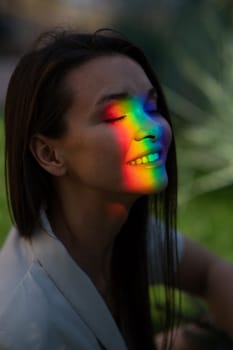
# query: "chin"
147, 189
155, 189
149, 183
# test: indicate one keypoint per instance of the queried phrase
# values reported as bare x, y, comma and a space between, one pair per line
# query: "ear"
48, 155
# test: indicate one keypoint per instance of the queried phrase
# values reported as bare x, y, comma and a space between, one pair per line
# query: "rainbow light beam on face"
128, 117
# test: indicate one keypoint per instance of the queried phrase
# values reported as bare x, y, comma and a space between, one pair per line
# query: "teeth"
153, 157
138, 161
145, 159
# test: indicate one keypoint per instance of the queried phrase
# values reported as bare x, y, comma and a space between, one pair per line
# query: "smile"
150, 158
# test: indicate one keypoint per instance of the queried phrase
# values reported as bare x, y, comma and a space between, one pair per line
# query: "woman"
91, 169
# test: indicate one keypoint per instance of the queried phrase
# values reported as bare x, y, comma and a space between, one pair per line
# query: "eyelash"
152, 111
114, 119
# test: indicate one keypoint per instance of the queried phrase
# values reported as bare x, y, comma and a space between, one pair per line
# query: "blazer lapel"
77, 288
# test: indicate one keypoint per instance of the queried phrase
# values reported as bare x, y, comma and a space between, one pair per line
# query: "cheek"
112, 140
123, 139
104, 147
167, 134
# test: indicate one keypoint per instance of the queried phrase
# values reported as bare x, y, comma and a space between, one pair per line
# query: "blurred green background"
190, 45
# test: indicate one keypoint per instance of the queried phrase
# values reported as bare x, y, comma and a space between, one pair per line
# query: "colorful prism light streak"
129, 116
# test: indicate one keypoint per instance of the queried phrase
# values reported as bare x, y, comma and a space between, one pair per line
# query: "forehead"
107, 75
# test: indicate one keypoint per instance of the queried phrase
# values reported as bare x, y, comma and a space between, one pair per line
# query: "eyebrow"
123, 95
115, 96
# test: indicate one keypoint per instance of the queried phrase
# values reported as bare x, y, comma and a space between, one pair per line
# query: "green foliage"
187, 307
205, 135
4, 216
208, 220
191, 316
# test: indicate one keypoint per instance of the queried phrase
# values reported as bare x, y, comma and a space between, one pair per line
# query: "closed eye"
152, 111
113, 120
151, 107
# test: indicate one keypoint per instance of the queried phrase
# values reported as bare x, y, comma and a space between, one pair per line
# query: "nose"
151, 129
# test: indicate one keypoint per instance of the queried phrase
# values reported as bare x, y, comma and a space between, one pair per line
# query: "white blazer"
47, 302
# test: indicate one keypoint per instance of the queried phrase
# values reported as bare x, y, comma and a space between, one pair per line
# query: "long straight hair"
37, 101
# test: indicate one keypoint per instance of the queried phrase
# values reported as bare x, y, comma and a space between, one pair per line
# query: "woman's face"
116, 140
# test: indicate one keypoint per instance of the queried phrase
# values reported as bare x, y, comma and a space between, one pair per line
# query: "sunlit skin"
113, 119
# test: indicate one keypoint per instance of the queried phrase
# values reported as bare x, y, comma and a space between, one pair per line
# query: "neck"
87, 226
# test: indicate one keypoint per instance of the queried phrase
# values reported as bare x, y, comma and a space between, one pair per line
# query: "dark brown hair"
37, 102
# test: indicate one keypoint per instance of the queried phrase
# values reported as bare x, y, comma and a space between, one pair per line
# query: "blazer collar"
77, 288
